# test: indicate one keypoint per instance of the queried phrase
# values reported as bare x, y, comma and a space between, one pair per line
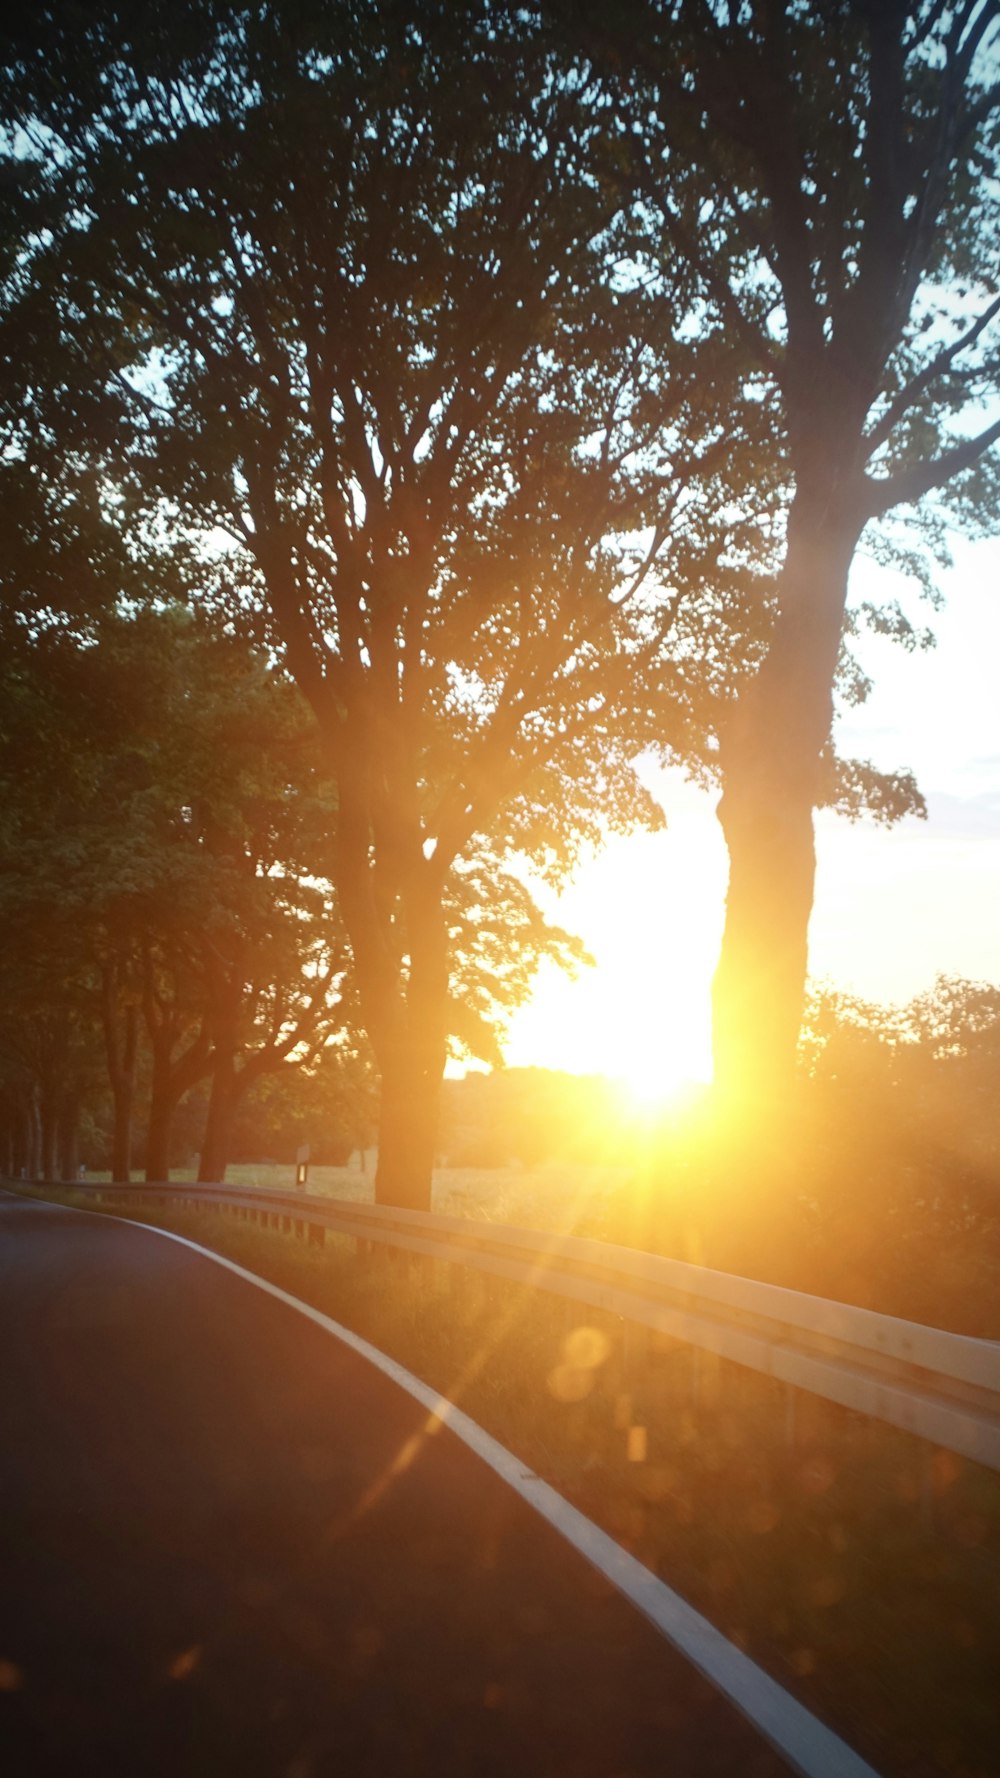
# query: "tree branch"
911, 484
924, 379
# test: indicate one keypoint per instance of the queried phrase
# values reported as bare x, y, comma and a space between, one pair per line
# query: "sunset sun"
641, 1015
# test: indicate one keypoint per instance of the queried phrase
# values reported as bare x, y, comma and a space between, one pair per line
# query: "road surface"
208, 1565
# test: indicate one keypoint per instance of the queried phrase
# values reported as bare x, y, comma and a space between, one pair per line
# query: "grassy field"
859, 1566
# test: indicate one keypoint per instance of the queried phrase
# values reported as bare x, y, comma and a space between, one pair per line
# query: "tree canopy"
828, 174
524, 380
163, 846
355, 295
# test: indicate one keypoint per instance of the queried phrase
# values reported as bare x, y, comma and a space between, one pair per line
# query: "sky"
894, 907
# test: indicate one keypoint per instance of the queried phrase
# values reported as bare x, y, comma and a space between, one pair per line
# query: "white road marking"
807, 1744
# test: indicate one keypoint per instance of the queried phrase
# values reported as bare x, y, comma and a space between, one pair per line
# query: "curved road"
205, 1568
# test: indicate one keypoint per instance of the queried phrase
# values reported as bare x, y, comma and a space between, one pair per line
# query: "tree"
956, 1025
50, 1050
89, 874
330, 1104
833, 189
272, 973
359, 289
958, 1018
120, 1029
225, 898
164, 847
49, 1063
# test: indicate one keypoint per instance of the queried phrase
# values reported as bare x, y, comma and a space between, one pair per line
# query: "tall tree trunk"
771, 757
408, 1126
222, 1103
163, 1097
121, 1048
412, 1062
172, 1077
121, 1133
161, 1111
69, 1139
33, 1136
49, 1140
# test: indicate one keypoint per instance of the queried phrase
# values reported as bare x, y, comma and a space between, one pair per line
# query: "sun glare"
649, 910
656, 1086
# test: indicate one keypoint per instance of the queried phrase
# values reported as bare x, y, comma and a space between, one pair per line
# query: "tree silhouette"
163, 848
831, 184
353, 292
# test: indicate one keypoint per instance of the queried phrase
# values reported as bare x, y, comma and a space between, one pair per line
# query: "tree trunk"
161, 1110
49, 1138
121, 1058
407, 1130
121, 1136
162, 1100
770, 760
69, 1140
172, 1077
222, 1104
33, 1136
412, 1061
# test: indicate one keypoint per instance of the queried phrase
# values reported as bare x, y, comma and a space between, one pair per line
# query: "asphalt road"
204, 1570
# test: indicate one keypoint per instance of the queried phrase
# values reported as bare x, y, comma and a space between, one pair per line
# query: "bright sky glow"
650, 910
894, 908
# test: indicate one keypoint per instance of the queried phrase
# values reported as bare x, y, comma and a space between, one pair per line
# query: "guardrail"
942, 1387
